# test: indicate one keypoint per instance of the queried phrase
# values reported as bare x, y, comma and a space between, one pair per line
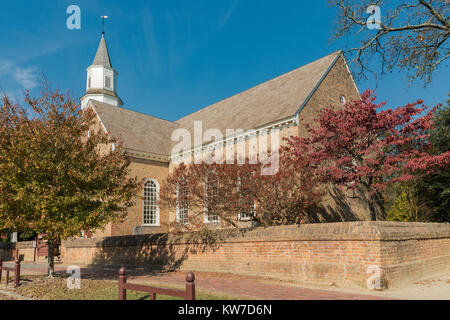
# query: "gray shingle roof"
137, 131
102, 56
277, 99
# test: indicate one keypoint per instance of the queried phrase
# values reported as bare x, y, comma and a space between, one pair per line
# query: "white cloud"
5, 67
28, 78
15, 80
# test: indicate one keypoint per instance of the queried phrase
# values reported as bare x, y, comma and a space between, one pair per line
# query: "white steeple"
101, 84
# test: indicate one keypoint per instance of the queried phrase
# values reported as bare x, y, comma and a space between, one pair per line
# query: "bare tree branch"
410, 36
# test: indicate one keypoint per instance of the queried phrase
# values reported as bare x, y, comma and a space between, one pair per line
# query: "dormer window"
342, 99
108, 82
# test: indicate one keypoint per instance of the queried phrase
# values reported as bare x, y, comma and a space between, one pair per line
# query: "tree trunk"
380, 203
373, 213
50, 259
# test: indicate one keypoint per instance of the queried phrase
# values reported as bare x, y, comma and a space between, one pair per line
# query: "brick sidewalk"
233, 285
251, 289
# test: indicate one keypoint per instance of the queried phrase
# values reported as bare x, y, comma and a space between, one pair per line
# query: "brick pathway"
251, 289
233, 285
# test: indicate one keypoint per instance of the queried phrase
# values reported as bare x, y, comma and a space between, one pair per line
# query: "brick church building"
285, 103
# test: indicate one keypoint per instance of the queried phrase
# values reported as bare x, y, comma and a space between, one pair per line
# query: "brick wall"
5, 251
334, 252
143, 169
26, 250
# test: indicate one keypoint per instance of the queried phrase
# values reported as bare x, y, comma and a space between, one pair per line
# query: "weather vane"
103, 22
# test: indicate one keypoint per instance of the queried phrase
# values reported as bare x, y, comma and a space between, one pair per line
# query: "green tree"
434, 189
59, 175
406, 205
427, 197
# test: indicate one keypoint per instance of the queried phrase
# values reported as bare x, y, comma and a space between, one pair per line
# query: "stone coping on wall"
6, 245
340, 231
16, 245
24, 244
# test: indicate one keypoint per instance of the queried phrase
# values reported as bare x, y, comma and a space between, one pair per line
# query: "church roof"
102, 56
276, 99
137, 131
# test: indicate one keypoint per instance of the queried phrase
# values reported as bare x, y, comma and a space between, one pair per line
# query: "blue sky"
175, 57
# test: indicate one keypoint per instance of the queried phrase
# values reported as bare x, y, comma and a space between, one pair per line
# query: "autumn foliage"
58, 175
228, 194
362, 144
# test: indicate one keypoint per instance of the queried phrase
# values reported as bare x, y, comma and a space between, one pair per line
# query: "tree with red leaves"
360, 144
224, 195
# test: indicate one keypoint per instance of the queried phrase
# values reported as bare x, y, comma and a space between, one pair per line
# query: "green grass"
43, 288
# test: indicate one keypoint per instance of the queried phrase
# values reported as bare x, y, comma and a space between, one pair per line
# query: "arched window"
150, 203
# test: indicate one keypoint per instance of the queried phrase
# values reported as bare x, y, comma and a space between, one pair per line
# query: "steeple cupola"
101, 84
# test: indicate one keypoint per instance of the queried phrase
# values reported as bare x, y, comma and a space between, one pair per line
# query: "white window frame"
244, 216
210, 218
110, 82
179, 209
89, 80
157, 218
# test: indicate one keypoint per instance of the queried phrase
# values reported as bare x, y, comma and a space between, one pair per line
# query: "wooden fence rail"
188, 294
15, 269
